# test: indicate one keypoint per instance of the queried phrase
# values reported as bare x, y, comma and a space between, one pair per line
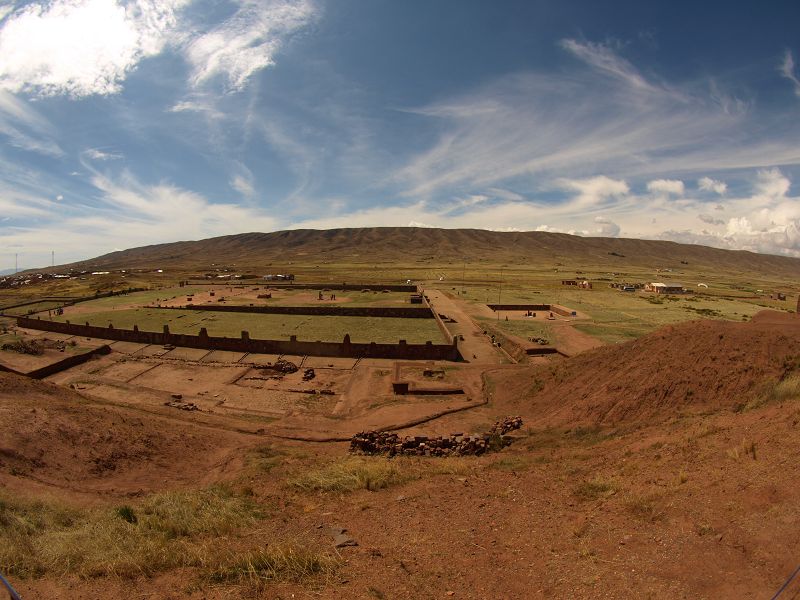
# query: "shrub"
596, 489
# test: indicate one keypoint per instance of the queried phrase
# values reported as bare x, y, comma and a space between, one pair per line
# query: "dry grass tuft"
168, 530
596, 489
276, 563
374, 473
742, 450
775, 392
647, 507
264, 457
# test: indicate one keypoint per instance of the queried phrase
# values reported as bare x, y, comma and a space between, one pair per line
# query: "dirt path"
476, 347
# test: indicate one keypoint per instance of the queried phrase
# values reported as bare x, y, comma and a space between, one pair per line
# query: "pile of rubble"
181, 405
457, 444
280, 365
506, 425
35, 347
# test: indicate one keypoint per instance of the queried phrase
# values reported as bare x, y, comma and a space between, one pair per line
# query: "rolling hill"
409, 244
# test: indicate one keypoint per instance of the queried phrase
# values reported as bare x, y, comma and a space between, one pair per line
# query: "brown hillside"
692, 367
54, 436
407, 244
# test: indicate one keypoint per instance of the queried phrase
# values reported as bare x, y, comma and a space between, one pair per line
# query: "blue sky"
131, 122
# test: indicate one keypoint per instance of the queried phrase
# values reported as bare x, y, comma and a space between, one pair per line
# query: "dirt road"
476, 347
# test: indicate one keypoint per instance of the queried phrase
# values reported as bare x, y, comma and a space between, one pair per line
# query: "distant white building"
664, 288
279, 277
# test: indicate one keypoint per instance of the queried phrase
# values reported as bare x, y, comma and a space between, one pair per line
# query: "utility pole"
463, 276
16, 263
52, 258
499, 292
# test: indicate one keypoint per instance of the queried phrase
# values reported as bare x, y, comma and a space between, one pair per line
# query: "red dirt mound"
57, 437
696, 366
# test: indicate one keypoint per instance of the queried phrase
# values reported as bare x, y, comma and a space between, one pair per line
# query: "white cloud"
772, 183
767, 220
666, 186
88, 47
712, 185
787, 70
96, 154
132, 214
242, 182
607, 227
603, 58
59, 198
5, 10
710, 219
594, 190
467, 202
246, 42
24, 127
81, 47
203, 105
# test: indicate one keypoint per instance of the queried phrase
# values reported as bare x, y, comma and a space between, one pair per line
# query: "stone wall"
559, 310
69, 301
343, 349
356, 287
68, 363
439, 322
536, 307
398, 312
60, 365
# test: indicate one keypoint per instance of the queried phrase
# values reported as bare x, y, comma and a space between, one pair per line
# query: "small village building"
279, 277
664, 288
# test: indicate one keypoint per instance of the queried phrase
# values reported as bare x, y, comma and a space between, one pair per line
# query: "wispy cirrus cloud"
128, 214
246, 42
97, 154
24, 127
787, 70
602, 57
600, 116
765, 220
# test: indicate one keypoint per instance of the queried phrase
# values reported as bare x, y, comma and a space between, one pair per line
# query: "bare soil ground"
57, 439
659, 468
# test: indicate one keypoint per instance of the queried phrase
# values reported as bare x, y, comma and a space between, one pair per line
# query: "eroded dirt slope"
697, 366
54, 436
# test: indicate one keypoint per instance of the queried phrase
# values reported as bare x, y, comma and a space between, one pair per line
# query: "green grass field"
344, 298
619, 316
274, 327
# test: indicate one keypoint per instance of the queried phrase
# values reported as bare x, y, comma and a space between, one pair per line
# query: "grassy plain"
613, 316
305, 327
617, 316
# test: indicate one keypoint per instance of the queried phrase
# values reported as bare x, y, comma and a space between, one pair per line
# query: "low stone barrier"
68, 363
457, 444
373, 287
398, 312
343, 349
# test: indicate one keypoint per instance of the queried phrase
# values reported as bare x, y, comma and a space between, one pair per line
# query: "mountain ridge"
407, 244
